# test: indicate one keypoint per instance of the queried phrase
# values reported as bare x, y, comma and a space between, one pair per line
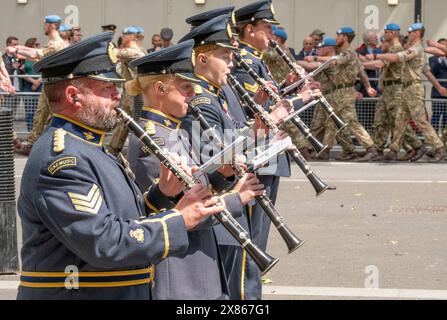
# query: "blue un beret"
175, 60
416, 27
64, 28
280, 33
53, 19
344, 30
217, 31
94, 58
139, 29
392, 27
328, 42
206, 16
259, 10
131, 30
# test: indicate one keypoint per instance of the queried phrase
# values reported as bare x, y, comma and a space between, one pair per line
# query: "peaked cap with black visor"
259, 10
217, 31
175, 60
93, 58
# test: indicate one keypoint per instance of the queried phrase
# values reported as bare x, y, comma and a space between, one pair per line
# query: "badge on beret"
112, 53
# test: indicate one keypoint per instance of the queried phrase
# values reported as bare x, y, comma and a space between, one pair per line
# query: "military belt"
344, 86
392, 83
107, 279
409, 84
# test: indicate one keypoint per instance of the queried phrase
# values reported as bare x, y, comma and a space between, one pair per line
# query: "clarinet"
257, 110
292, 241
302, 127
300, 72
262, 259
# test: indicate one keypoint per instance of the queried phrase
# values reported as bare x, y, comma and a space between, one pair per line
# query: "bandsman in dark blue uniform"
87, 229
213, 61
166, 80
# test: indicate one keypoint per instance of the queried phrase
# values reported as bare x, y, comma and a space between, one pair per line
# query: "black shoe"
440, 155
380, 156
346, 156
305, 153
324, 156
419, 153
407, 156
371, 153
391, 156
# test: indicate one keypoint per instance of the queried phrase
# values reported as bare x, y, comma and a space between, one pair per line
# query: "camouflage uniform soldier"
320, 119
415, 64
348, 67
280, 70
129, 52
55, 43
391, 100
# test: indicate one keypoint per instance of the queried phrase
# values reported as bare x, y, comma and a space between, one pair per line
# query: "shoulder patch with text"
200, 100
62, 163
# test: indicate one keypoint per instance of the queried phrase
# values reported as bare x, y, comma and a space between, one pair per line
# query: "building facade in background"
299, 17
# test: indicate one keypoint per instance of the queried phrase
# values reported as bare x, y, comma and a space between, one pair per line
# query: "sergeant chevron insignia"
91, 203
252, 88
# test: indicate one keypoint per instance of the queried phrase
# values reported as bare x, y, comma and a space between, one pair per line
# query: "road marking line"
373, 181
324, 292
355, 292
9, 285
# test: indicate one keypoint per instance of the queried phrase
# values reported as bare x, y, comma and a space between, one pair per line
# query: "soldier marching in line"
321, 120
415, 64
348, 68
390, 102
280, 72
55, 43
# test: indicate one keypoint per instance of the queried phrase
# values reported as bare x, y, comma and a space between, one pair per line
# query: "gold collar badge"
89, 136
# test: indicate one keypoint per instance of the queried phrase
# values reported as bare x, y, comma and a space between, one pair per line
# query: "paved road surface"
384, 227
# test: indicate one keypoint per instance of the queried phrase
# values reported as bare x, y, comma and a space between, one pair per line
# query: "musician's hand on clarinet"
291, 78
241, 160
261, 97
169, 185
280, 135
309, 94
226, 171
197, 204
282, 110
248, 188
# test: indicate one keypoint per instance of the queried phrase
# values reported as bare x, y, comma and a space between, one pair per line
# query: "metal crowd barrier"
23, 105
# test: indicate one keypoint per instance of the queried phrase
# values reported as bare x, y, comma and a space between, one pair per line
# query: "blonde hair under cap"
136, 86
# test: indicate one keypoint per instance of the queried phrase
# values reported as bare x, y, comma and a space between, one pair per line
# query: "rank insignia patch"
90, 203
